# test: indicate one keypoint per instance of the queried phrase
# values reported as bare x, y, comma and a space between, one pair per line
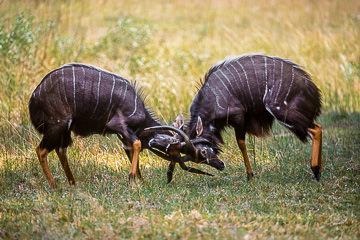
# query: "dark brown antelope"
248, 92
88, 100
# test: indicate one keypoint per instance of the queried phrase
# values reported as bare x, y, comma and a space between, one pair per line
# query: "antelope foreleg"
134, 171
170, 171
130, 155
316, 161
242, 146
62, 154
42, 155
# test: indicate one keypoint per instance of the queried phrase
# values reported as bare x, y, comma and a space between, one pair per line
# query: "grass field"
167, 46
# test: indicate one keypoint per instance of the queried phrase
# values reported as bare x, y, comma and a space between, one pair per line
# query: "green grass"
167, 47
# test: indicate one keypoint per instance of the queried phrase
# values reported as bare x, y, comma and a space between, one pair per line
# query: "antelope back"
256, 89
86, 94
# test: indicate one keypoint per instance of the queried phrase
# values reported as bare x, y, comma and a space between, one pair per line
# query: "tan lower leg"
62, 154
136, 148
42, 155
316, 161
138, 174
242, 146
131, 153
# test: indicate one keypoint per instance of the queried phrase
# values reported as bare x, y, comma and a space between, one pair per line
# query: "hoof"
318, 176
317, 173
250, 176
169, 177
131, 178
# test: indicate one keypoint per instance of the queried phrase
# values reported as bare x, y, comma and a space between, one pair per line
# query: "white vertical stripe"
223, 83
273, 84
221, 93
235, 80
73, 70
281, 76
216, 96
98, 94
120, 86
83, 83
242, 84
266, 80
256, 77
292, 80
226, 79
58, 87
124, 92
247, 82
135, 107
51, 84
63, 82
111, 95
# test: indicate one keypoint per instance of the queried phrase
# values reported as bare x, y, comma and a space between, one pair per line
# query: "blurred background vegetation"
168, 46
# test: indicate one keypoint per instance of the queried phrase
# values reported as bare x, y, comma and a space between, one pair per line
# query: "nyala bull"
88, 100
247, 93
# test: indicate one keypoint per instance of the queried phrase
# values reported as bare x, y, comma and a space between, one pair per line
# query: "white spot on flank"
69, 124
281, 122
277, 108
285, 102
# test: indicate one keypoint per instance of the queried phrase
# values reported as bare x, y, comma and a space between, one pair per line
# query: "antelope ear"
199, 127
179, 122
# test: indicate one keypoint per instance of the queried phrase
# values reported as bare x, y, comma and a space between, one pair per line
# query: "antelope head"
198, 150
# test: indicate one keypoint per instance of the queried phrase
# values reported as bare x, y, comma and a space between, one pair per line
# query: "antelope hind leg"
316, 161
242, 146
